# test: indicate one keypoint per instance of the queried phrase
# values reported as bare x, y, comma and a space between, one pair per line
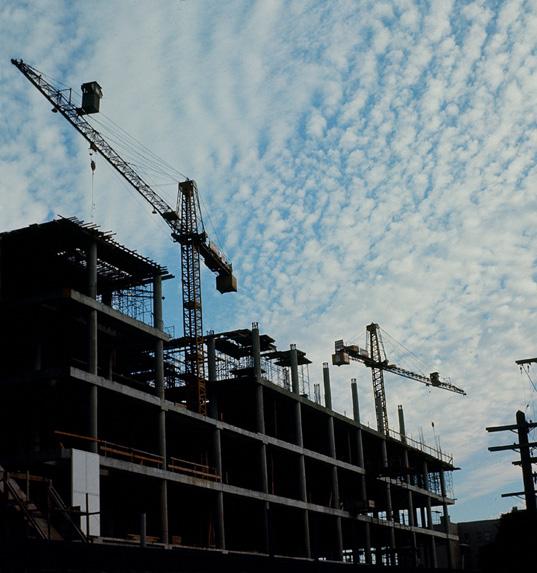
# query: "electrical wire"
526, 369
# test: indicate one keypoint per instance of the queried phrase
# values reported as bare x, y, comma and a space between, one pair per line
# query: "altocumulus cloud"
370, 161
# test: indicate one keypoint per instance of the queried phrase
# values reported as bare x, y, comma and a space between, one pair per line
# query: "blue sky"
360, 162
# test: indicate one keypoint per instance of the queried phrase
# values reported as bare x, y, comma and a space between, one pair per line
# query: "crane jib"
184, 225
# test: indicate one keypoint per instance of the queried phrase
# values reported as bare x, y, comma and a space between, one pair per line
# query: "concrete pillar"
293, 356
220, 528
143, 530
306, 539
368, 556
339, 539
355, 403
269, 528
91, 256
383, 454
256, 350
211, 357
259, 399
164, 531
389, 506
212, 406
162, 436
402, 430
217, 461
92, 342
327, 389
263, 468
159, 344
267, 518
411, 511
449, 547
158, 323
429, 514
260, 409
93, 414
331, 438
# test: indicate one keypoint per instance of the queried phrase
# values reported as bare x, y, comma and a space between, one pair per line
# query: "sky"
358, 161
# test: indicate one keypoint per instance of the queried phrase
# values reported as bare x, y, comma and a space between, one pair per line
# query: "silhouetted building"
97, 446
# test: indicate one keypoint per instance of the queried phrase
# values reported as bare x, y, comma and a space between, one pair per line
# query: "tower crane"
377, 361
185, 222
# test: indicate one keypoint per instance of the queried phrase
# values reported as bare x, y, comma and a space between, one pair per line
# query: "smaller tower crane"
185, 222
376, 360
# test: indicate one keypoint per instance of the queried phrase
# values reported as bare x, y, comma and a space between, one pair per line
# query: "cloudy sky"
359, 161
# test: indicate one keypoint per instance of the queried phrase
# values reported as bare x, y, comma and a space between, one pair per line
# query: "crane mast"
186, 226
377, 361
377, 350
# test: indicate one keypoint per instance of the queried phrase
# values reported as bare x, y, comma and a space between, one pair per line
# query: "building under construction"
97, 447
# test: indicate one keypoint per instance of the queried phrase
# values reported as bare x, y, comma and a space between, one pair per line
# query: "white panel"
85, 484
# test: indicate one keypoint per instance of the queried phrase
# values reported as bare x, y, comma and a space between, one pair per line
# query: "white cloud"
371, 163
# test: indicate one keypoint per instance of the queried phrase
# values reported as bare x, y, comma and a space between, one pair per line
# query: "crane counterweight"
92, 94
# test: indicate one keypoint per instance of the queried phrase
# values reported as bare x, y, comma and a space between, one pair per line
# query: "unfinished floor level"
96, 427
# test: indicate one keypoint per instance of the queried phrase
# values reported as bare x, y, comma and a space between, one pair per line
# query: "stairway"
31, 513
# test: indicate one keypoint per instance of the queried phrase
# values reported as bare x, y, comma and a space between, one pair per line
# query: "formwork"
97, 438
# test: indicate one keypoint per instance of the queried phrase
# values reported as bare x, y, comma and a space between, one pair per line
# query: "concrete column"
164, 531
92, 342
389, 506
217, 461
93, 414
335, 487
91, 256
331, 438
383, 454
212, 406
259, 400
256, 350
260, 409
355, 403
293, 356
327, 389
158, 323
449, 547
162, 435
263, 468
306, 528
411, 511
368, 558
429, 514
211, 358
267, 518
339, 540
300, 442
220, 528
159, 344
402, 430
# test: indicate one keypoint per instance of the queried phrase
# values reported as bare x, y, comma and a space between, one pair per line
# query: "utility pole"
522, 427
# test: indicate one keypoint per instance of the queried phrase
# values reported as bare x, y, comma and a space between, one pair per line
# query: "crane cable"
93, 166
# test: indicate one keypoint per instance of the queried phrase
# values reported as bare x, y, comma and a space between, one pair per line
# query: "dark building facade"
97, 446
